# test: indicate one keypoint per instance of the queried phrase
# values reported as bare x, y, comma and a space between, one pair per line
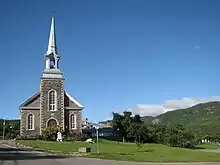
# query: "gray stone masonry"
46, 86
38, 106
24, 131
78, 114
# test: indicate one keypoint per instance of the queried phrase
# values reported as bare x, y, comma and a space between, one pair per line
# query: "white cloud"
170, 105
148, 110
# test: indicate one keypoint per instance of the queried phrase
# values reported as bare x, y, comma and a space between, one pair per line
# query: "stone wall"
43, 115
24, 131
78, 114
46, 86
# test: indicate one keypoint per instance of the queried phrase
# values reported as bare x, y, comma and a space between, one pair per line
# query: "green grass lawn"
129, 151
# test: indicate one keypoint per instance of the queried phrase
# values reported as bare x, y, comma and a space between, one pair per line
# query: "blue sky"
114, 54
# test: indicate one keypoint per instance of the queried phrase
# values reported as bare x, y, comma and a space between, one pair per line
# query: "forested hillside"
200, 118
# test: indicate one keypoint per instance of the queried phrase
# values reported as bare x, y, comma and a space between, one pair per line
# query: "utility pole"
4, 130
97, 138
11, 129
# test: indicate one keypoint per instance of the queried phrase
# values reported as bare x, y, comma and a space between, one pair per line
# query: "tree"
134, 130
137, 119
138, 132
117, 123
126, 122
122, 122
12, 128
179, 136
157, 133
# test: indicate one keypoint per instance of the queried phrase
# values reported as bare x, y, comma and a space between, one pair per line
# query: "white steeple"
52, 48
52, 57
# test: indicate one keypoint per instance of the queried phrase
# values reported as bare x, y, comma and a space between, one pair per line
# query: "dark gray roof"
30, 99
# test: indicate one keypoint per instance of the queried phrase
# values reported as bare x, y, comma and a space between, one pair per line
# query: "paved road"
19, 156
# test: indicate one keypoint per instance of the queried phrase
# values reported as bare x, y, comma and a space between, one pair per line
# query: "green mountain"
147, 119
203, 118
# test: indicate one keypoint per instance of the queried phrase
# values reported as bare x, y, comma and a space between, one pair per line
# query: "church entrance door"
52, 123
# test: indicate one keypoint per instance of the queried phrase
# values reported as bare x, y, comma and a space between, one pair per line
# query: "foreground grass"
130, 152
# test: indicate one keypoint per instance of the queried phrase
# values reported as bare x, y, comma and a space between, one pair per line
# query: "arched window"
52, 100
52, 123
30, 122
72, 121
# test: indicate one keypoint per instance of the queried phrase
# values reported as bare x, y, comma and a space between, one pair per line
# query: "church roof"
30, 99
74, 100
37, 94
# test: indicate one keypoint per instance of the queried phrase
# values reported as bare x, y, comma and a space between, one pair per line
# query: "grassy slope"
129, 151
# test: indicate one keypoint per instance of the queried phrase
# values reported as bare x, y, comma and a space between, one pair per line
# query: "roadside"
11, 143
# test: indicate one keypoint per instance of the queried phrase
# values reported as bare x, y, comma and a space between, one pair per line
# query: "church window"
72, 121
52, 100
30, 122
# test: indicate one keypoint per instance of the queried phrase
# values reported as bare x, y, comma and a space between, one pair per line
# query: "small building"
103, 130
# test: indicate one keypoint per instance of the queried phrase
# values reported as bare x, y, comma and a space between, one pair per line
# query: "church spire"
52, 47
52, 57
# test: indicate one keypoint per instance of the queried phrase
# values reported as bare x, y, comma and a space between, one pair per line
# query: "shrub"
179, 136
139, 143
50, 134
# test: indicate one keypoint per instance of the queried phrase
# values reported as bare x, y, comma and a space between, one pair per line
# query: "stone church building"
52, 106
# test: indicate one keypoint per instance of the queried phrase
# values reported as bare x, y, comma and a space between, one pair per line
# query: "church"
51, 106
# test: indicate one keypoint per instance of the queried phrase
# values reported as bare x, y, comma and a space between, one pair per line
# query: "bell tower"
52, 57
52, 86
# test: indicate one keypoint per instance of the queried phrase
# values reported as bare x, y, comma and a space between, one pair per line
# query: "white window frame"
27, 119
71, 123
55, 100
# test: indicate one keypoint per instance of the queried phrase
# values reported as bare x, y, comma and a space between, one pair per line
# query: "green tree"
137, 119
122, 122
179, 136
12, 128
157, 133
138, 132
117, 123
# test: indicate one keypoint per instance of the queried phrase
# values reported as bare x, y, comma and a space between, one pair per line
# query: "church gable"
71, 103
33, 101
